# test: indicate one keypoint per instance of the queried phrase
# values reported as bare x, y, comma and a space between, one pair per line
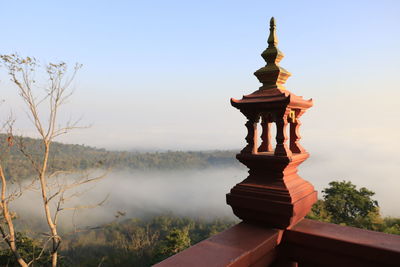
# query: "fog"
199, 193
195, 193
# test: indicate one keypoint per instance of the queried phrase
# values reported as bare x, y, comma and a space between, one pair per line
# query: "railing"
308, 243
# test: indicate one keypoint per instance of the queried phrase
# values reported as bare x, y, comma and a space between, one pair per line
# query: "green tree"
319, 213
344, 204
350, 206
176, 240
391, 225
28, 248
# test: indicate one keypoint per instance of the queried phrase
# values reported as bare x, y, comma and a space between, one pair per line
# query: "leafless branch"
41, 252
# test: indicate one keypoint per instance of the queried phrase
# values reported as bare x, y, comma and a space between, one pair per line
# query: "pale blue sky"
159, 74
151, 66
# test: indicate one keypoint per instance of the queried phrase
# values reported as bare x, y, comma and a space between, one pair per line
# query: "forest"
81, 157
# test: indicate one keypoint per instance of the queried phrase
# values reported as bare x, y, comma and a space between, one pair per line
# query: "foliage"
176, 241
344, 204
28, 248
319, 212
138, 242
391, 225
347, 205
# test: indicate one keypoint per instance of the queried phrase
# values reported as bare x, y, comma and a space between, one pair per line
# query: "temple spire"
272, 76
273, 193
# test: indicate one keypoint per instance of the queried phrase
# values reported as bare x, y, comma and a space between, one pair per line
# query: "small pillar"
295, 137
266, 145
273, 194
252, 135
282, 148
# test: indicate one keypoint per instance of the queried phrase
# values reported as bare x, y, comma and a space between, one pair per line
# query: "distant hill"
80, 157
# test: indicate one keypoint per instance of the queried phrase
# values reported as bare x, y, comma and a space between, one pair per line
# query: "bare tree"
22, 72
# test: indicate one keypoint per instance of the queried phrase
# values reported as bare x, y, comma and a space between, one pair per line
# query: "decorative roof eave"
257, 104
299, 102
270, 102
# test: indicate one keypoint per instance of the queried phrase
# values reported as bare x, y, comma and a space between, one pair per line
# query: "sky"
159, 75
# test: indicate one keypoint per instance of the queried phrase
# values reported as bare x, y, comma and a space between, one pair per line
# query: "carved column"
266, 135
282, 148
252, 135
295, 137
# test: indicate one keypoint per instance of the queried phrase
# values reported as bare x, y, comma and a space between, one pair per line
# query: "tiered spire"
272, 75
273, 193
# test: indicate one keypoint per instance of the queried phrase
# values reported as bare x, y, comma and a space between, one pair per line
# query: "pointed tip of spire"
272, 22
272, 39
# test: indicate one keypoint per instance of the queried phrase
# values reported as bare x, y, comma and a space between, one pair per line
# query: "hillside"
80, 157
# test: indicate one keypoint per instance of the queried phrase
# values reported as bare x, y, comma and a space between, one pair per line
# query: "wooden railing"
307, 244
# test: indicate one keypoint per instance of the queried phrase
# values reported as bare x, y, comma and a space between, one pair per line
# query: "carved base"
273, 194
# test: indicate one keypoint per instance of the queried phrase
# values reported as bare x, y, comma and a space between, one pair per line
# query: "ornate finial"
272, 39
272, 75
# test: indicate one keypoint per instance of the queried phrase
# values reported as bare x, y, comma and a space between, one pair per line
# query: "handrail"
308, 243
313, 243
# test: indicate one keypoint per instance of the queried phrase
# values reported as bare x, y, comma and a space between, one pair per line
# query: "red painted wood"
315, 243
266, 135
273, 193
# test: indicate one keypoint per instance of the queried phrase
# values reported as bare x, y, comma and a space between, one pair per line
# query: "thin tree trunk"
10, 238
54, 256
53, 227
